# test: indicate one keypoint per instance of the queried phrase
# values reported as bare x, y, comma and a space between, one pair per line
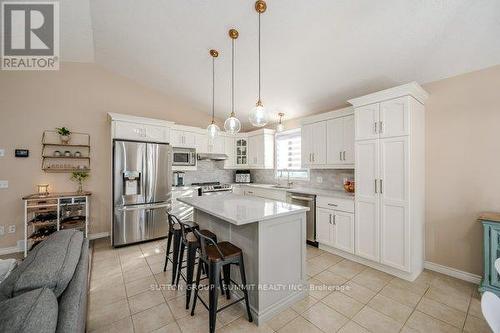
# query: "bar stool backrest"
172, 220
185, 228
205, 242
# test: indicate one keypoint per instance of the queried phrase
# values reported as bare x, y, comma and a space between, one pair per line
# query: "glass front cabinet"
491, 252
241, 152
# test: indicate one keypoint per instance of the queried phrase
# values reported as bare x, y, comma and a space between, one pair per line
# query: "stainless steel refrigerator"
142, 190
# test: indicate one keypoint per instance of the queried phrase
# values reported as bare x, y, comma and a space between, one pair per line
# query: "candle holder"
43, 189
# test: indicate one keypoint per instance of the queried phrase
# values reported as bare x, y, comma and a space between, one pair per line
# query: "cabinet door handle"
343, 155
375, 127
333, 205
381, 186
330, 218
381, 126
313, 158
340, 155
334, 223
376, 189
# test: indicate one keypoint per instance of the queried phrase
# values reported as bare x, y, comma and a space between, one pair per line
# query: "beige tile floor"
126, 296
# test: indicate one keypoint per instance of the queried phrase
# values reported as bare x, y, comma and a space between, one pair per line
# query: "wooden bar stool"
190, 243
174, 234
218, 256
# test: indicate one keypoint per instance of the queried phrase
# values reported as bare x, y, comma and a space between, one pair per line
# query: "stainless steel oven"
184, 157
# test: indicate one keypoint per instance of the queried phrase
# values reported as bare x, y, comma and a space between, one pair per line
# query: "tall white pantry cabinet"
390, 178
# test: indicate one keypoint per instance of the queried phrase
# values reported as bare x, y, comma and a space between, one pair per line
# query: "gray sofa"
47, 291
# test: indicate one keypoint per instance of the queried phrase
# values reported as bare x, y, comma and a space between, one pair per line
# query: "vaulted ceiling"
315, 54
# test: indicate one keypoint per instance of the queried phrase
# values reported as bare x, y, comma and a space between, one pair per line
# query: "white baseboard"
9, 250
98, 235
466, 276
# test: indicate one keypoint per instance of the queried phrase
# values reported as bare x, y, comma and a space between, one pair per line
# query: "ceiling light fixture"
232, 124
213, 129
280, 127
258, 116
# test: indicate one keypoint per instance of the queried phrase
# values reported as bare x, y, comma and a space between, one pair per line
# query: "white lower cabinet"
335, 227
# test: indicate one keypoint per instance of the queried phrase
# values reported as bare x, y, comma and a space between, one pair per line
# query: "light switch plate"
319, 179
2, 152
4, 184
12, 229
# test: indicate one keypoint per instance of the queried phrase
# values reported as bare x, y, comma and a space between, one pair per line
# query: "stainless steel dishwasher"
306, 200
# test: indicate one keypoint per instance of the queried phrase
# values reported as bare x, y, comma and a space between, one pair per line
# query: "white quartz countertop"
240, 210
303, 190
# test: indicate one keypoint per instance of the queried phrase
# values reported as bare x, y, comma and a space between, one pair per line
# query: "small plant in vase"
79, 177
64, 134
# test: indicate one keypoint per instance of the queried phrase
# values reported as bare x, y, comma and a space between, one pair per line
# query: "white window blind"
288, 155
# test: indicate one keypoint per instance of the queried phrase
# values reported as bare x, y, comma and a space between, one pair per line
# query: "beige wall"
462, 166
462, 140
79, 97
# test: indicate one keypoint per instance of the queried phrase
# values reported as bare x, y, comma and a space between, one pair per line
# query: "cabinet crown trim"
339, 113
138, 120
410, 89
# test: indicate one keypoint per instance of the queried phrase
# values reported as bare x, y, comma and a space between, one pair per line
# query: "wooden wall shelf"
65, 164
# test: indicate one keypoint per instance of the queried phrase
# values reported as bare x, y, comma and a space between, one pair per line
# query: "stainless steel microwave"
184, 157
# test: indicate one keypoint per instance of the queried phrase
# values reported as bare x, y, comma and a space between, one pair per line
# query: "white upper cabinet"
328, 140
313, 147
394, 118
261, 149
390, 164
335, 137
367, 122
340, 141
182, 138
241, 155
130, 130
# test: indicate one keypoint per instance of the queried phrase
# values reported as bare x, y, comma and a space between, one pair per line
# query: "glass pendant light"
280, 127
213, 129
232, 124
258, 115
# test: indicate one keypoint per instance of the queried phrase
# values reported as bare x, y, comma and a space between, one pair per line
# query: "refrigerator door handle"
141, 207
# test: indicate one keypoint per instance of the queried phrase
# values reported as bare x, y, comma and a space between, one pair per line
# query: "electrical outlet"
2, 152
12, 229
319, 179
2, 230
4, 184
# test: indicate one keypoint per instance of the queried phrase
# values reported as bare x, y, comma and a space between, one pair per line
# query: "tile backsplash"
209, 171
213, 171
330, 179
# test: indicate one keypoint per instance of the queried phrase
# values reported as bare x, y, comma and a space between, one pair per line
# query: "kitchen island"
272, 236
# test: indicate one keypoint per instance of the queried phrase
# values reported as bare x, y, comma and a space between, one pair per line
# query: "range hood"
212, 157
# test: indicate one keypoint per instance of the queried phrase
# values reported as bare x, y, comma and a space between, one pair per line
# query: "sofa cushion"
33, 311
73, 301
50, 264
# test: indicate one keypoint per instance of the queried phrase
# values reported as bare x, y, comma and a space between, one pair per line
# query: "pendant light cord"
259, 57
213, 89
232, 75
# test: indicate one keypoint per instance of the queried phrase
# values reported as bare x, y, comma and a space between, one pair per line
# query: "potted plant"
79, 177
64, 134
